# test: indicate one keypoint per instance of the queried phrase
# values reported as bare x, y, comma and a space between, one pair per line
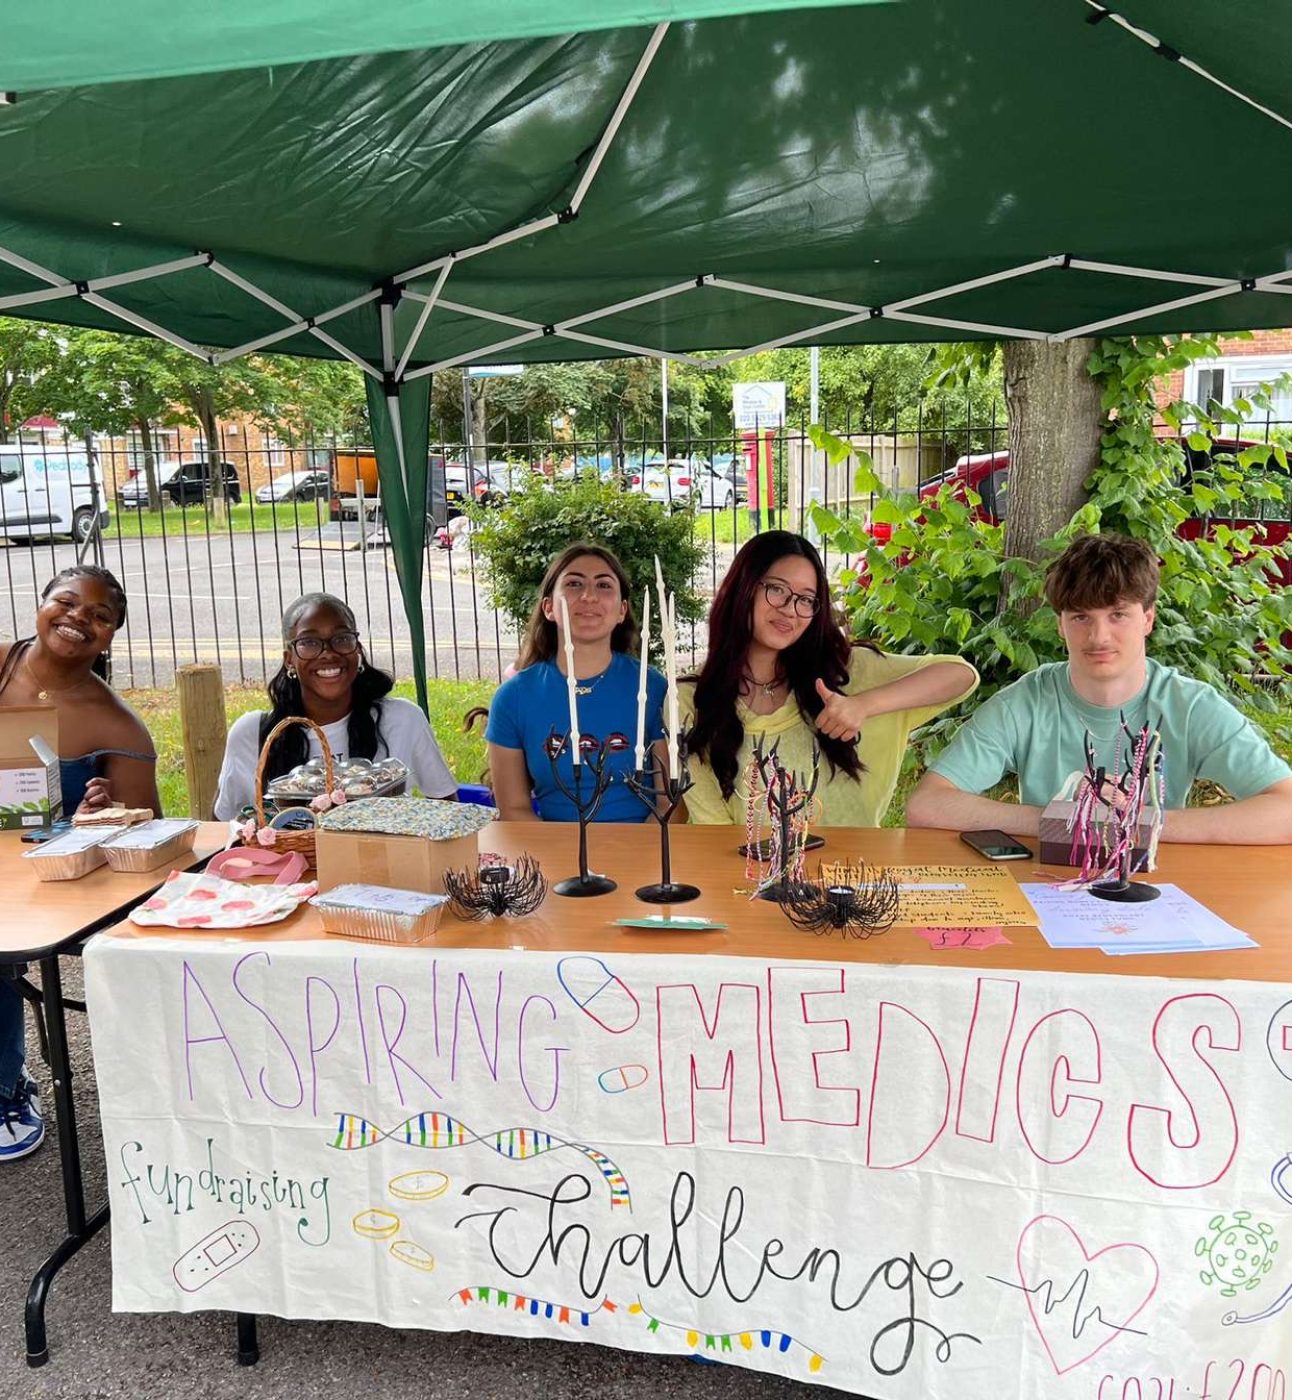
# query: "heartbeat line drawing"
437, 1131
1108, 1290
1081, 1316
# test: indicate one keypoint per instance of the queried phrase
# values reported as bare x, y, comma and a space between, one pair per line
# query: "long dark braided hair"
823, 650
371, 685
115, 592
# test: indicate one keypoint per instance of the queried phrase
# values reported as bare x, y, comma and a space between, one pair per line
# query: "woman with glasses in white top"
781, 669
326, 677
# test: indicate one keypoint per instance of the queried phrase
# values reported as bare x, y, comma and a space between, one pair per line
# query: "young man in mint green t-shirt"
1103, 588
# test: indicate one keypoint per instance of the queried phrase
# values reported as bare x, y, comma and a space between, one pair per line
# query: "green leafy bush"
937, 584
519, 540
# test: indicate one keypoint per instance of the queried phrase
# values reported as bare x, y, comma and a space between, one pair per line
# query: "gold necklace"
591, 686
43, 691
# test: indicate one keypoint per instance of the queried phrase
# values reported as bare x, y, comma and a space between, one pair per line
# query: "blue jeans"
12, 1046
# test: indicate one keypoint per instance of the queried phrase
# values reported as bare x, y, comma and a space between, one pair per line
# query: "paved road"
96, 1355
219, 598
213, 597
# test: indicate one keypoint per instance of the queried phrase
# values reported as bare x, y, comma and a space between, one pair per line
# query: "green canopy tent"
415, 186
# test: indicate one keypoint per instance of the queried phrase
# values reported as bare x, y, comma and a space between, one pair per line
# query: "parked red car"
987, 475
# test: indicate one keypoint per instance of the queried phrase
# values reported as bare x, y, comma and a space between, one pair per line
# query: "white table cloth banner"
922, 1183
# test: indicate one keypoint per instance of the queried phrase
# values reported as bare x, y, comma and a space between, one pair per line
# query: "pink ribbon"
249, 862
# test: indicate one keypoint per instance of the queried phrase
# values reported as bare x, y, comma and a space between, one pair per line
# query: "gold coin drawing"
375, 1224
408, 1252
419, 1186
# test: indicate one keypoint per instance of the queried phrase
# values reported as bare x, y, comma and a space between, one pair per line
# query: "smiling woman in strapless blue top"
105, 752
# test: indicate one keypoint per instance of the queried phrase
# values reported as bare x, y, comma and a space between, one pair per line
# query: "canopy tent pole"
496, 349
446, 263
617, 117
310, 324
298, 325
980, 327
524, 231
98, 284
1102, 12
399, 414
812, 333
422, 319
1229, 290
1148, 273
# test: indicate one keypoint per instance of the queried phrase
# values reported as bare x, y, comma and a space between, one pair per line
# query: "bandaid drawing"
216, 1254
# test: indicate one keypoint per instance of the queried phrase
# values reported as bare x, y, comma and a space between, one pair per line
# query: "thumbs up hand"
842, 716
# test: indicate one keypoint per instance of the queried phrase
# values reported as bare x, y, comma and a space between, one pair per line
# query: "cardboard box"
397, 862
31, 788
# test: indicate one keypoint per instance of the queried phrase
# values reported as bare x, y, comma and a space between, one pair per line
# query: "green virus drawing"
1239, 1252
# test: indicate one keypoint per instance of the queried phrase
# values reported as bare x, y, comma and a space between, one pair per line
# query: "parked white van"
44, 494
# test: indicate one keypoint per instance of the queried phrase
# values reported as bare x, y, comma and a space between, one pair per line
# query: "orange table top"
38, 917
1251, 886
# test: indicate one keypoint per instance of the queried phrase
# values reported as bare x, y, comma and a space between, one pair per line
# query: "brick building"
1240, 367
255, 454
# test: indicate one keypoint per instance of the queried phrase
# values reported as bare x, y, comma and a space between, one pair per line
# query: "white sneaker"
22, 1129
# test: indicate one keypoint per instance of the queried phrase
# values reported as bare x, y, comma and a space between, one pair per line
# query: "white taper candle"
640, 756
674, 767
570, 679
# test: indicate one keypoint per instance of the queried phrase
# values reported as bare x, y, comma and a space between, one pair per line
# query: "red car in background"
987, 475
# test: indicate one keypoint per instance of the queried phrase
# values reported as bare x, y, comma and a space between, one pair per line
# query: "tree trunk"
1055, 421
211, 432
150, 464
479, 425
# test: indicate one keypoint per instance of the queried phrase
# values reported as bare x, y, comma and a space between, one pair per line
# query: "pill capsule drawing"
599, 993
622, 1078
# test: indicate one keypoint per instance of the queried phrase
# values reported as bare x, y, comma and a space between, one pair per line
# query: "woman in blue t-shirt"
534, 704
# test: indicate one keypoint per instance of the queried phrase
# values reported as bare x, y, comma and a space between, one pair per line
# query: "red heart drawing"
1079, 1300
192, 920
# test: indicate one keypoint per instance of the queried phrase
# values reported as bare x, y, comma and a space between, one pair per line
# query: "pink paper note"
961, 937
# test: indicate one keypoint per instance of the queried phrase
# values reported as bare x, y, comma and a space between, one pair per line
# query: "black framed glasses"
342, 643
779, 595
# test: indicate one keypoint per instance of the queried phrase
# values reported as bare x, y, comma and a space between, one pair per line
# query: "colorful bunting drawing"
746, 1339
439, 1130
577, 1315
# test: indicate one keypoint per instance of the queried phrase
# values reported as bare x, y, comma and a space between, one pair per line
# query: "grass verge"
465, 752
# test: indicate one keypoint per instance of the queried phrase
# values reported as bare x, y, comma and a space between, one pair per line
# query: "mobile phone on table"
996, 845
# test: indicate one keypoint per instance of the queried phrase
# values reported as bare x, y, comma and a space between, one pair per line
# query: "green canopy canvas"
417, 186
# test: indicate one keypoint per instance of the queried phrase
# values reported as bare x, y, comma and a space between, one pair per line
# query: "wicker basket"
291, 842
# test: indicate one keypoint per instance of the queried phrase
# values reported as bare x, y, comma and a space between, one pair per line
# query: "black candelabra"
592, 756
661, 793
787, 801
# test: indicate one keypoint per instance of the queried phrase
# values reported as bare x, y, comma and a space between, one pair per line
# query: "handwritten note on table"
944, 938
960, 896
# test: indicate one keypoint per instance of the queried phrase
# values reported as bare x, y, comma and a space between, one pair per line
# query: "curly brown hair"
1100, 571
